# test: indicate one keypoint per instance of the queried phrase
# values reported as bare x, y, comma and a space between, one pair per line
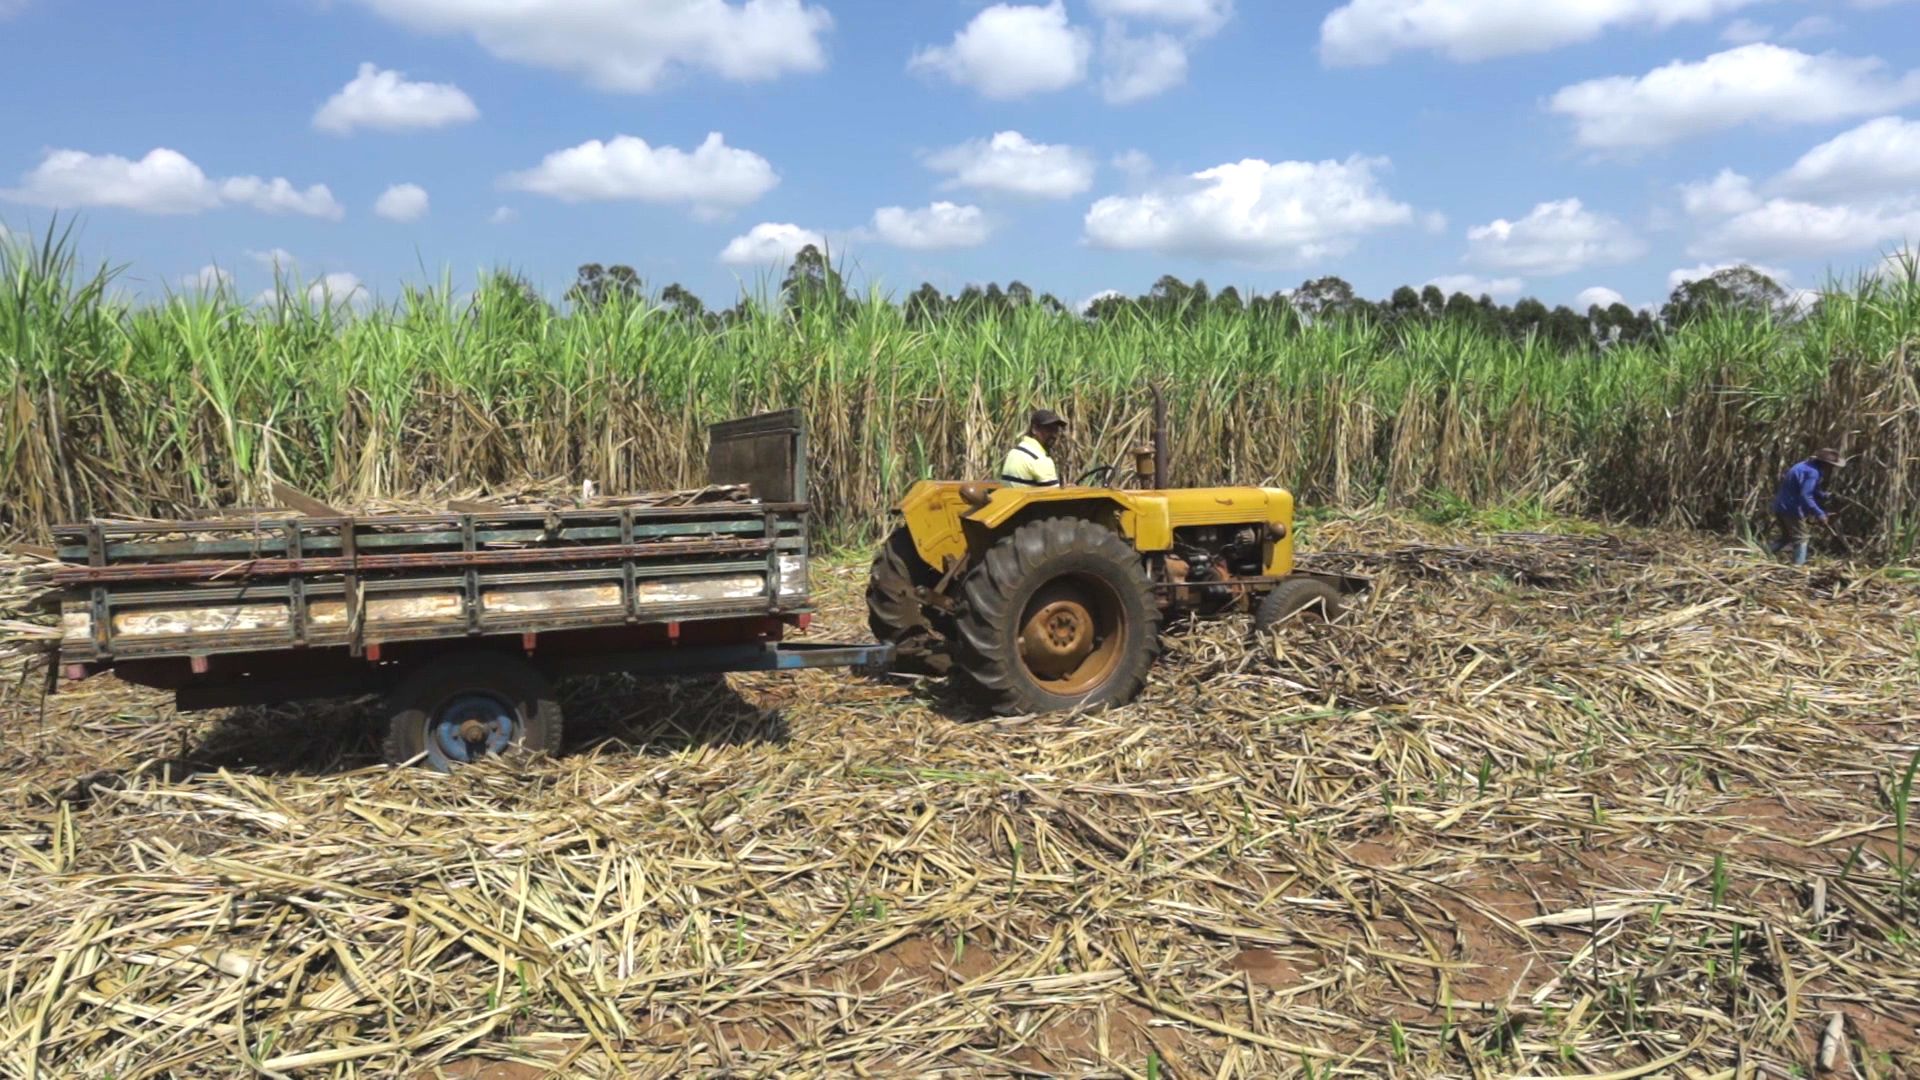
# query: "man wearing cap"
1029, 463
1799, 499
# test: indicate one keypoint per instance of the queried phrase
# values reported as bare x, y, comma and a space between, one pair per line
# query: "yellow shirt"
1028, 465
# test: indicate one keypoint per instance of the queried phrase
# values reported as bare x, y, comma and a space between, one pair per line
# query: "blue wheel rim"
468, 727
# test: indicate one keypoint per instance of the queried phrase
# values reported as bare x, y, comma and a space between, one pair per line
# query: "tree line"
812, 283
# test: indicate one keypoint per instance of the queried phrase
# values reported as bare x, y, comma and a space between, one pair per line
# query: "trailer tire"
468, 705
1058, 615
1302, 598
895, 614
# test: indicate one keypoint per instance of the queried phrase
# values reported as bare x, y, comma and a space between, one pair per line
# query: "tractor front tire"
894, 612
1058, 615
1298, 599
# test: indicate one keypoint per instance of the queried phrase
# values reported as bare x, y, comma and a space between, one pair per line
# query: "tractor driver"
1029, 463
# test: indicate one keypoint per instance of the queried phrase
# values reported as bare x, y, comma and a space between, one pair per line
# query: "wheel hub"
467, 728
1057, 638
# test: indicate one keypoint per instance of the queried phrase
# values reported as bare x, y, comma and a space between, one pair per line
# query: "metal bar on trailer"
296, 589
629, 588
427, 560
349, 553
641, 514
773, 563
708, 659
243, 641
100, 602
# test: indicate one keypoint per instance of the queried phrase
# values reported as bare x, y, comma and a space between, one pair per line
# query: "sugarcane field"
544, 539
514, 775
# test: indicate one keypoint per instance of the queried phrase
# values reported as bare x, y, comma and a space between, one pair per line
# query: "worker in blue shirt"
1799, 499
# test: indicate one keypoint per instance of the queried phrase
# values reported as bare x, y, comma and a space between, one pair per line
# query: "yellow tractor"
1037, 599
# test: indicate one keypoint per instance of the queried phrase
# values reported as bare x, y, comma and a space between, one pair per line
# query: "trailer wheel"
1298, 598
463, 707
1059, 614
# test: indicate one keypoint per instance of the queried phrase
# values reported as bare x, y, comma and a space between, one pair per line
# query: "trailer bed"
200, 588
461, 619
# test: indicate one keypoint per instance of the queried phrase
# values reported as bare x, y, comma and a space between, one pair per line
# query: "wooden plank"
303, 502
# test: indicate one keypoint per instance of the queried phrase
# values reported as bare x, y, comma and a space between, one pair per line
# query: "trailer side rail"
136, 590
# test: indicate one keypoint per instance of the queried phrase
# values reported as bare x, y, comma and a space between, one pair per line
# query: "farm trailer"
462, 620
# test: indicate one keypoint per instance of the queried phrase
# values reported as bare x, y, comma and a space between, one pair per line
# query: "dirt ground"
1545, 805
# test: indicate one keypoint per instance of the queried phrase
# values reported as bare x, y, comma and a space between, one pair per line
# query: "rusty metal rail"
215, 570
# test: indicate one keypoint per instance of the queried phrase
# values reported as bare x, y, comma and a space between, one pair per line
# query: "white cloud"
942, 225
1554, 238
1857, 191
1726, 194
1677, 278
402, 202
1199, 16
1751, 84
502, 215
1791, 229
713, 177
1011, 50
1137, 68
1811, 26
1899, 265
1104, 294
1879, 156
1370, 31
164, 182
277, 196
633, 45
1596, 296
1011, 163
273, 258
336, 289
1745, 32
1253, 211
386, 101
1478, 286
209, 278
1133, 162
770, 242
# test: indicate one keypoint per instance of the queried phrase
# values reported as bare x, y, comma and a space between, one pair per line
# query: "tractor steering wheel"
1103, 472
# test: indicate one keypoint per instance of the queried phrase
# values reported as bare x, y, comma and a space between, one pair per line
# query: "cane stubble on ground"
1545, 805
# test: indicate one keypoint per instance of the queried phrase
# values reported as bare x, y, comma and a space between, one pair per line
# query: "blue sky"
1511, 145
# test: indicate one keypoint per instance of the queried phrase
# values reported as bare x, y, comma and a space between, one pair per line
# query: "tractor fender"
1145, 520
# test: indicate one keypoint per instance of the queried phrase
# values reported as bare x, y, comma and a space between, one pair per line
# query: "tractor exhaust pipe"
1162, 460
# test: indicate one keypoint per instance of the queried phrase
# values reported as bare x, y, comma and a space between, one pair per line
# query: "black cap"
1046, 418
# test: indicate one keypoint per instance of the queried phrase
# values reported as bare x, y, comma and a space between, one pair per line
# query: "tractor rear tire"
1059, 615
1298, 598
895, 614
